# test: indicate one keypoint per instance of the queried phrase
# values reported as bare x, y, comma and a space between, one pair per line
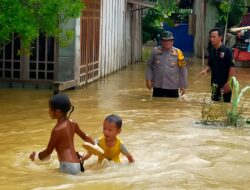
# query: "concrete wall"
211, 18
66, 57
208, 23
77, 50
136, 34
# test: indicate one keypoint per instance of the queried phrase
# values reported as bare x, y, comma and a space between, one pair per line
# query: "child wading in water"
62, 136
110, 143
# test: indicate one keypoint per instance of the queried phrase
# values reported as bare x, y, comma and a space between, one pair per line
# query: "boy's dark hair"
216, 30
114, 119
61, 102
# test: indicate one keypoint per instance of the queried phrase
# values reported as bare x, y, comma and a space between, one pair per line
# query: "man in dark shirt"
220, 62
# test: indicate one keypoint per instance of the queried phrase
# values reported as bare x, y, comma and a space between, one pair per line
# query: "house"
107, 38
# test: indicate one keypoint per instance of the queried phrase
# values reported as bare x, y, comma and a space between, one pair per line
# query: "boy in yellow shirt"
110, 143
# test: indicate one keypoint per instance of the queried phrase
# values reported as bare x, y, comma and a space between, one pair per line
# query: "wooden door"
90, 41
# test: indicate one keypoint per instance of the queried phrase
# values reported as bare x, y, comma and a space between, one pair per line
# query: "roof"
142, 3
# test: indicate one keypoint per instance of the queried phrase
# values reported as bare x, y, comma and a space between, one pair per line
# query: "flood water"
170, 149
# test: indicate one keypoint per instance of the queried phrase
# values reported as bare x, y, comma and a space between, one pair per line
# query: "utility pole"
202, 9
225, 31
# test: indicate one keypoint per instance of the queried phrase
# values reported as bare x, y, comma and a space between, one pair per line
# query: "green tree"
165, 11
230, 11
151, 23
28, 18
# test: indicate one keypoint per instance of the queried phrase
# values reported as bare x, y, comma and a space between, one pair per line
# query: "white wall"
112, 50
77, 50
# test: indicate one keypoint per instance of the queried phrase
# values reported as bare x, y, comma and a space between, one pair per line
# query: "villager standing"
220, 62
166, 72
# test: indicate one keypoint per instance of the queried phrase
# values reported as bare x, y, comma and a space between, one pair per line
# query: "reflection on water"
170, 149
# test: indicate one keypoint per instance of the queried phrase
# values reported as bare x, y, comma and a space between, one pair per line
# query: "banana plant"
234, 115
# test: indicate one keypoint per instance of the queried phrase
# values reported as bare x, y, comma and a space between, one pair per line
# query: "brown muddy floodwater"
170, 149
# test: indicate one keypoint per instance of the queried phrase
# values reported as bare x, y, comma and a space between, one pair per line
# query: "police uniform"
167, 70
220, 61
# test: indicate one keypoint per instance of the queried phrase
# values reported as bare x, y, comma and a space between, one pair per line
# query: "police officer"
166, 72
220, 62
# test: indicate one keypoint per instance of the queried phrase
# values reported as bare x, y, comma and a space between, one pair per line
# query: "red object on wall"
240, 55
245, 21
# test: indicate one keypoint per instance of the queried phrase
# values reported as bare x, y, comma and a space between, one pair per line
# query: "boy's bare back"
62, 139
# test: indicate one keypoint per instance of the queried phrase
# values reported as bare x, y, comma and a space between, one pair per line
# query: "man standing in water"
220, 62
166, 72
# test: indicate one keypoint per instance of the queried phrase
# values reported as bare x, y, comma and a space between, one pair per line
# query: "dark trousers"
159, 92
217, 96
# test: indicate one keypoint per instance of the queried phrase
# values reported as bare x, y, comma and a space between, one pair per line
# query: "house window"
42, 59
41, 63
10, 60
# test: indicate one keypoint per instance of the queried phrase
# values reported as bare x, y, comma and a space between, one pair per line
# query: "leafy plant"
150, 25
166, 11
28, 18
234, 115
229, 10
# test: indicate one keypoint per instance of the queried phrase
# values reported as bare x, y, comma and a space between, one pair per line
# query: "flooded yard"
171, 151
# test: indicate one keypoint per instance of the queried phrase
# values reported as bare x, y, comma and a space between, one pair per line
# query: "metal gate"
90, 40
40, 66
